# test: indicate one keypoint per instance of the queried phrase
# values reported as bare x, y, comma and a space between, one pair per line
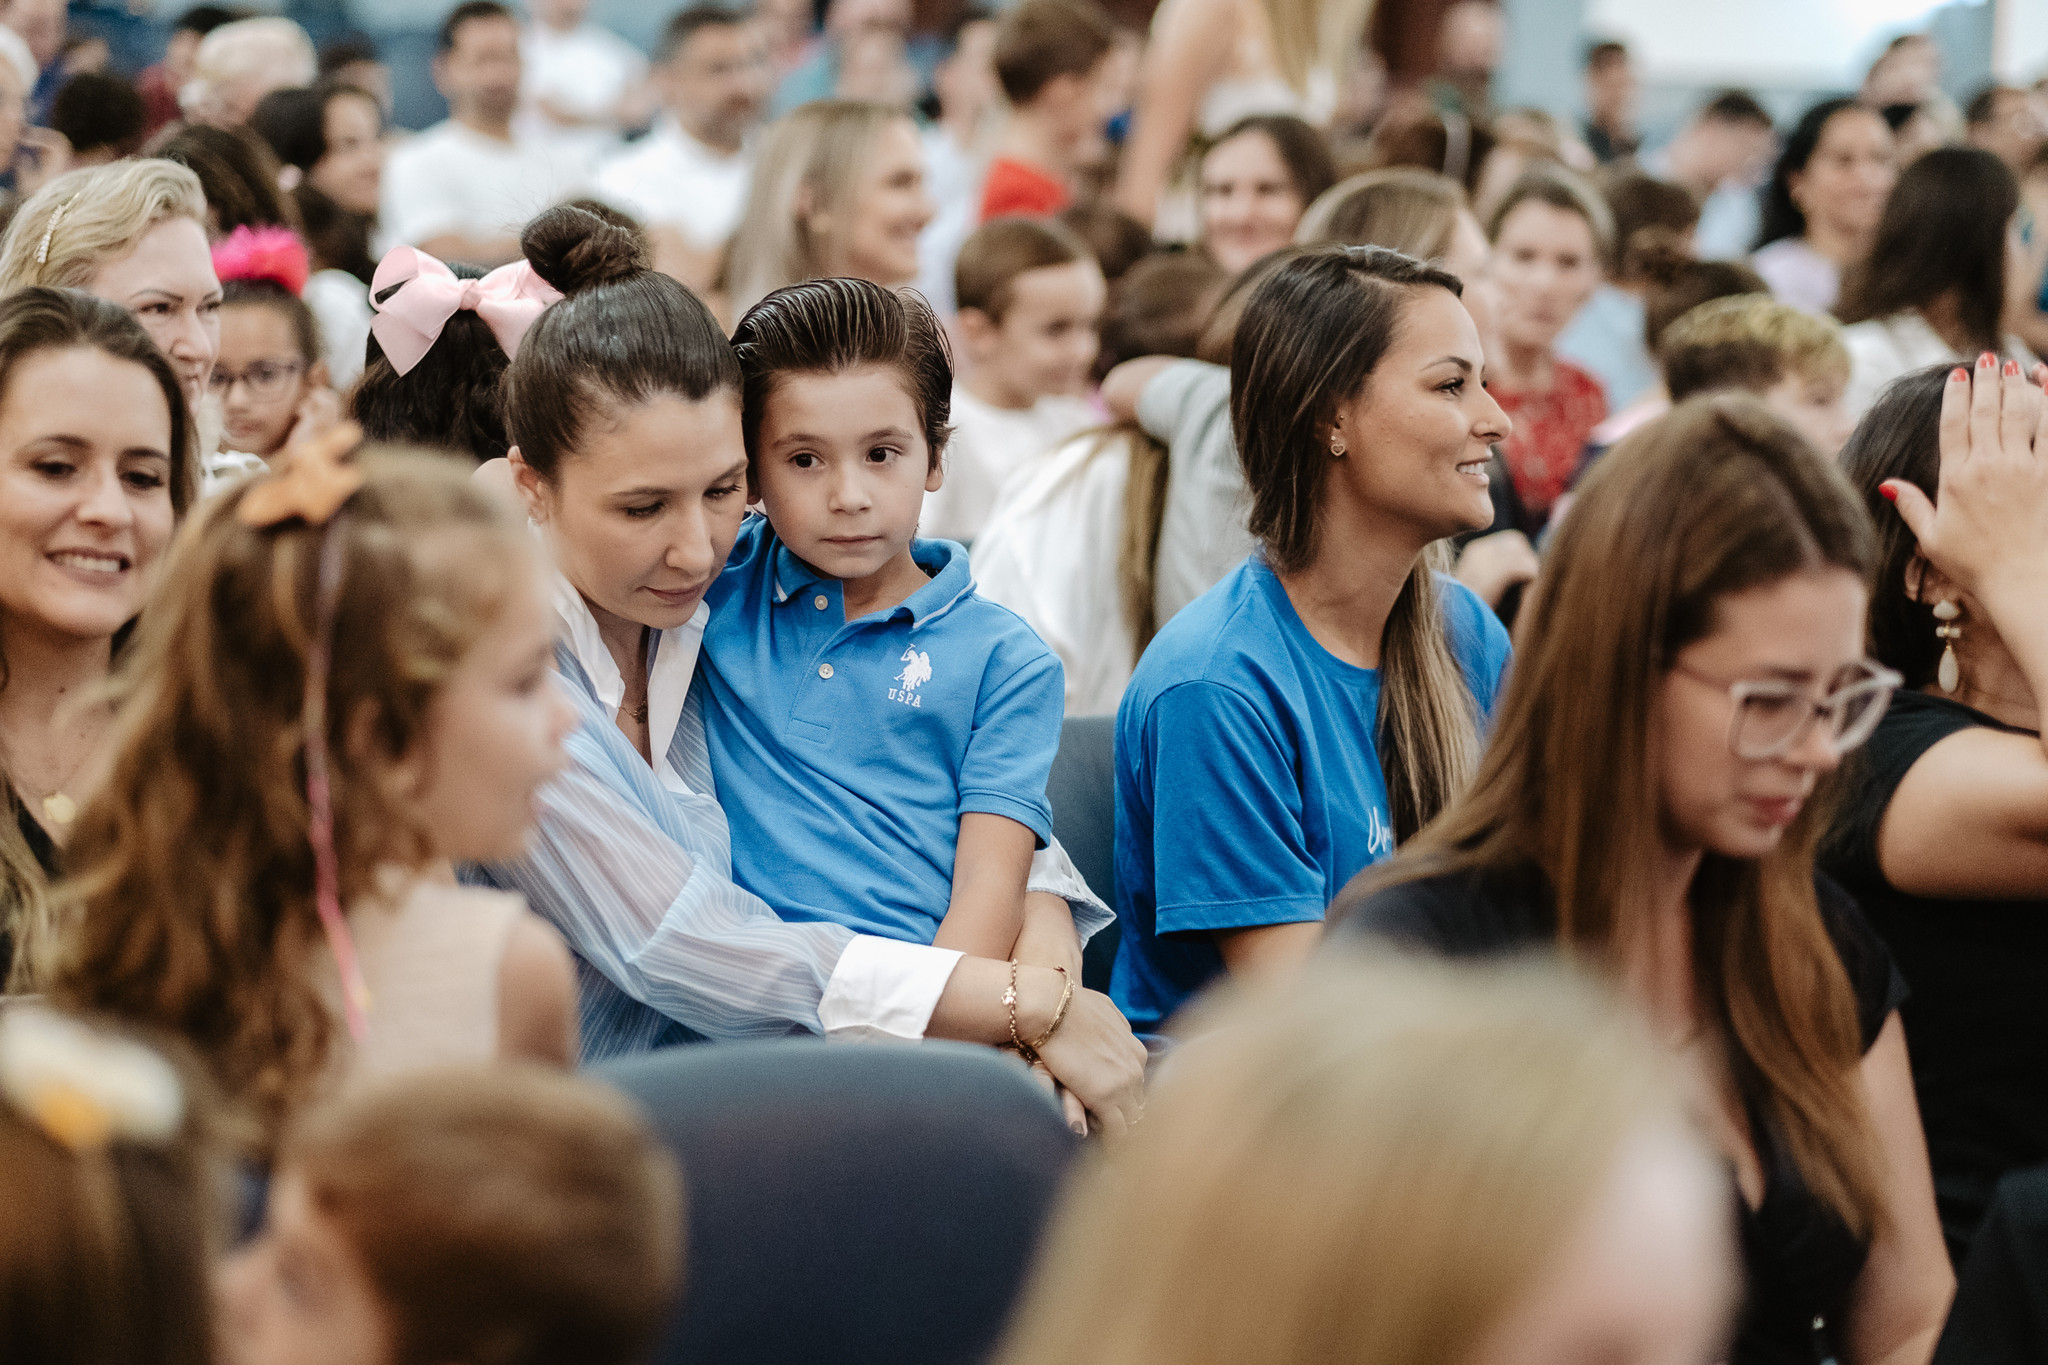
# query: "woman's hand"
1987, 528
1093, 1054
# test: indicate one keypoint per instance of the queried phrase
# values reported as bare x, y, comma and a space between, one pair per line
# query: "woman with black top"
1691, 672
1943, 837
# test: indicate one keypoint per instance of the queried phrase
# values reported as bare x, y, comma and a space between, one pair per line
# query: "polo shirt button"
821, 601
824, 670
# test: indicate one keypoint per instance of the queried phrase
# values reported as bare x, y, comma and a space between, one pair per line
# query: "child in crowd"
1792, 359
503, 1214
269, 376
342, 686
880, 734
113, 1209
1054, 62
1072, 543
1031, 300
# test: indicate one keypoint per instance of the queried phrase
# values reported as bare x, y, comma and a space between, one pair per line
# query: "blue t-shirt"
1248, 788
845, 752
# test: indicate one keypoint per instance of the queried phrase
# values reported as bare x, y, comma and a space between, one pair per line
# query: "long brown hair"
1715, 498
190, 904
1312, 333
34, 320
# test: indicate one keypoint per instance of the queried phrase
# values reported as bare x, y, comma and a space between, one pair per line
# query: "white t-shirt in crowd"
452, 178
670, 179
1050, 552
1884, 349
341, 305
952, 176
1799, 275
989, 445
587, 71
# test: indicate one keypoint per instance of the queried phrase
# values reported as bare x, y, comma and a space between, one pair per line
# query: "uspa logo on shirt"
917, 671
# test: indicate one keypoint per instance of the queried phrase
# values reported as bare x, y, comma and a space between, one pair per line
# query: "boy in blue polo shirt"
879, 734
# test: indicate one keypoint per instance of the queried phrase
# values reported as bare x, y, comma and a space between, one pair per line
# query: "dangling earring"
1949, 675
1337, 449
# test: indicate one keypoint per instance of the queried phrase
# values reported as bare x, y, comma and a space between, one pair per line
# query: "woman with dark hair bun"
1324, 701
1941, 837
1820, 213
623, 405
1945, 272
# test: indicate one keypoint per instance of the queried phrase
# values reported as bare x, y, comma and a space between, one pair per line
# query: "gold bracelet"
1058, 1015
1010, 1002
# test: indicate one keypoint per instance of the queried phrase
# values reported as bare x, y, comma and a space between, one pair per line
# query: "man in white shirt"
582, 84
462, 189
687, 180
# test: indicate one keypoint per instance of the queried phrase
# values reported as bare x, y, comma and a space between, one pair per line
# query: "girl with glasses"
1690, 676
270, 379
1942, 837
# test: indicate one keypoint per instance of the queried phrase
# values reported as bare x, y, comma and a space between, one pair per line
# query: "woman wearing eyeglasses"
1691, 674
1943, 833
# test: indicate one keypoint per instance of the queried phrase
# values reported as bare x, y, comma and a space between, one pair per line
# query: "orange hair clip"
310, 480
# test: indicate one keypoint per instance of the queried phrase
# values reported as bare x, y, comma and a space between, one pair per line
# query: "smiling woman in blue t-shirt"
1325, 699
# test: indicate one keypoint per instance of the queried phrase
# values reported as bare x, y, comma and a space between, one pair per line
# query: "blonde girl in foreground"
1385, 1162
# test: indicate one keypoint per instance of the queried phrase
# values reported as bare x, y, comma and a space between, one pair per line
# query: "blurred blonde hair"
809, 169
1403, 208
267, 48
85, 218
1369, 1164
1309, 35
1749, 341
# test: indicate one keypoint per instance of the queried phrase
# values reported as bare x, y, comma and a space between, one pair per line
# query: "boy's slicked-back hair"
1749, 341
985, 275
1042, 40
828, 326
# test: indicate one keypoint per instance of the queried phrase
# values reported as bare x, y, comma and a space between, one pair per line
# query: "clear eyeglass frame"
266, 379
1771, 718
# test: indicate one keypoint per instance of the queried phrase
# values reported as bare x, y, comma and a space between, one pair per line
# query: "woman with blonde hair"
838, 190
133, 233
1210, 63
1692, 673
1392, 1163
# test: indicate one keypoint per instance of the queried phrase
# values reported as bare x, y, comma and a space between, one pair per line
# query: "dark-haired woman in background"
331, 142
624, 404
1942, 276
97, 465
1826, 195
1943, 838
1692, 673
1325, 699
1256, 182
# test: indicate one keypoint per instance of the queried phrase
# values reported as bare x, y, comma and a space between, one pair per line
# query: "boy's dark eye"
804, 460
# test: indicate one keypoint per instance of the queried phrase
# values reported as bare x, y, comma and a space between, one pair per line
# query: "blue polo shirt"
1248, 783
845, 752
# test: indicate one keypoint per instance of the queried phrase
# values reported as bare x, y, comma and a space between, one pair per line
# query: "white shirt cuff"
883, 990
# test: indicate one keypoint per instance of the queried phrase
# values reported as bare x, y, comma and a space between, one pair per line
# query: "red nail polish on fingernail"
1891, 494
1959, 375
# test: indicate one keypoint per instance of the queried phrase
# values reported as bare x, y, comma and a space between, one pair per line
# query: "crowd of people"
619, 568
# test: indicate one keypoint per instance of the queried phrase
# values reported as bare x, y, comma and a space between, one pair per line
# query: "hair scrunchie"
408, 323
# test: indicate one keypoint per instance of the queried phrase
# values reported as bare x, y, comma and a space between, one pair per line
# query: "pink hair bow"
409, 322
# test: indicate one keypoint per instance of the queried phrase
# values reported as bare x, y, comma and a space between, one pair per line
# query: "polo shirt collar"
945, 561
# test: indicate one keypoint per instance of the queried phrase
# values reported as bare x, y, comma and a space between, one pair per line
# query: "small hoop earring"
1949, 674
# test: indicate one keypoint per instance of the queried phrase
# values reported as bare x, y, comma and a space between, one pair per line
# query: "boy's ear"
977, 329
935, 477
